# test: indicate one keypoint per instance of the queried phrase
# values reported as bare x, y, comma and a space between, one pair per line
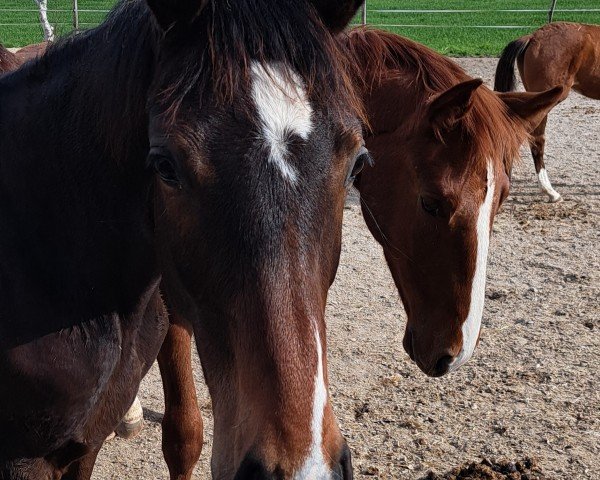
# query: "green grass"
457, 34
22, 28
449, 33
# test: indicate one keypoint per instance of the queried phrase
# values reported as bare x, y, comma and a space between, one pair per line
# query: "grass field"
19, 24
458, 34
461, 34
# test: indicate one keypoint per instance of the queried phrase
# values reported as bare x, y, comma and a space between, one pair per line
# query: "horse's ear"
169, 12
449, 107
532, 107
336, 14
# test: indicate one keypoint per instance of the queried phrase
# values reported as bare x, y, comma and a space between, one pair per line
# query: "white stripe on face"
283, 108
470, 329
315, 467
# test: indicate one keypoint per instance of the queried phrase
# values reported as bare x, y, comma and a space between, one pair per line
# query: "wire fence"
472, 27
367, 17
20, 22
380, 17
432, 21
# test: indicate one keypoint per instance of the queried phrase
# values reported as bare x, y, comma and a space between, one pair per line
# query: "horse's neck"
75, 227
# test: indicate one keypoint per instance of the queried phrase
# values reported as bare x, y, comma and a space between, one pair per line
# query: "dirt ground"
533, 386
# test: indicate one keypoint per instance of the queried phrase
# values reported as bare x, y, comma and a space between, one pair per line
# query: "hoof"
129, 430
132, 422
555, 198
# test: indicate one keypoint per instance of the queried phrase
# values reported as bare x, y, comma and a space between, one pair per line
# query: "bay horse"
133, 420
204, 148
560, 53
443, 146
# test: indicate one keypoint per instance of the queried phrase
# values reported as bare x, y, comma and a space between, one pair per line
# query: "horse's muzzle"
253, 469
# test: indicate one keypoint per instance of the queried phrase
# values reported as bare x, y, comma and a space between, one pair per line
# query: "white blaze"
547, 186
315, 467
470, 329
283, 108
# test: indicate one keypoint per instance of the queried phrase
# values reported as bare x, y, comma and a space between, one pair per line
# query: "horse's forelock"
286, 32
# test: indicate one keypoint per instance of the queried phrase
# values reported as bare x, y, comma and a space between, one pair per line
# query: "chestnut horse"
443, 146
200, 147
31, 51
566, 54
8, 60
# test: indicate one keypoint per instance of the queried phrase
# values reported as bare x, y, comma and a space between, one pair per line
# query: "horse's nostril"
442, 365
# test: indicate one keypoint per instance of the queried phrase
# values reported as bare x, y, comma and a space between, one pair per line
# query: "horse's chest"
56, 385
52, 382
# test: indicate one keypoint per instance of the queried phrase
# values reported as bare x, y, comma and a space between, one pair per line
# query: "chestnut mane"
488, 126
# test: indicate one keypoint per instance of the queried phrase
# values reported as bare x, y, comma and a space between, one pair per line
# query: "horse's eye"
164, 166
431, 206
363, 158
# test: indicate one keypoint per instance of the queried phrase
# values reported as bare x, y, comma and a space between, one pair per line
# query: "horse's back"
8, 60
562, 53
31, 51
588, 76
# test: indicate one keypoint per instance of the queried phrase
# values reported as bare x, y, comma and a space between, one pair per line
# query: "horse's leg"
82, 468
537, 143
182, 423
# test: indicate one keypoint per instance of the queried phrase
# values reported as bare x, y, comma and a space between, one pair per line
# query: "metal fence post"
551, 11
75, 15
364, 13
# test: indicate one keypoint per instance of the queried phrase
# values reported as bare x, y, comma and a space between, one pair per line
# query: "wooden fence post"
75, 15
551, 11
48, 30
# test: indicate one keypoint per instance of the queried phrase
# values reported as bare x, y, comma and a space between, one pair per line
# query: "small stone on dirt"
496, 295
370, 470
360, 410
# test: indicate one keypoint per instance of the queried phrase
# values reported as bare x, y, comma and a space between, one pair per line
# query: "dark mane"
8, 60
232, 38
379, 55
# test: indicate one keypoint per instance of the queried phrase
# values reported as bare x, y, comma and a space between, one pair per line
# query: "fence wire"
20, 25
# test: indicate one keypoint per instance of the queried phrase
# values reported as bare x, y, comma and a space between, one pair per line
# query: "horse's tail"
506, 80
